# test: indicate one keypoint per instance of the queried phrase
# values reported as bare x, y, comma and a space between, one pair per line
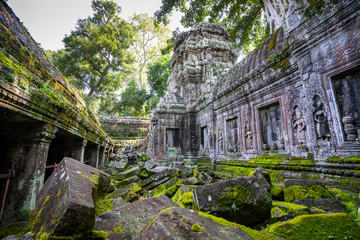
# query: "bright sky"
49, 20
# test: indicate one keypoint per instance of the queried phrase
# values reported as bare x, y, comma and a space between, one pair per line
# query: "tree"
158, 74
132, 101
97, 51
148, 41
244, 19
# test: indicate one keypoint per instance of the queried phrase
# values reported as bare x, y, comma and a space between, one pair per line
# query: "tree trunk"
275, 13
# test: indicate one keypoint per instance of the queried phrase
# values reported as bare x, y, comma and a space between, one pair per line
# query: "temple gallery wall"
298, 93
43, 119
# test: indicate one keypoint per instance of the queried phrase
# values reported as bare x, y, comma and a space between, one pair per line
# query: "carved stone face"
297, 113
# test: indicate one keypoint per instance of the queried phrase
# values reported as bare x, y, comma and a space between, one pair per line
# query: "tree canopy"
148, 41
158, 74
97, 50
244, 19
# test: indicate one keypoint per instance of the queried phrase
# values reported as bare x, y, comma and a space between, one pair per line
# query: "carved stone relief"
299, 127
320, 119
248, 136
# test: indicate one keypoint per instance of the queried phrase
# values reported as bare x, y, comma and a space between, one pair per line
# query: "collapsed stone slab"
245, 200
181, 223
125, 222
66, 200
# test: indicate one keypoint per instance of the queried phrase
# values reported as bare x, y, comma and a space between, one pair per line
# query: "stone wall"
126, 131
297, 93
43, 119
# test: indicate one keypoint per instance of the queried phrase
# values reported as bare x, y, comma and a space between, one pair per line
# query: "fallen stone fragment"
157, 176
181, 223
326, 204
245, 200
127, 181
125, 222
66, 200
135, 171
317, 226
193, 181
290, 207
128, 193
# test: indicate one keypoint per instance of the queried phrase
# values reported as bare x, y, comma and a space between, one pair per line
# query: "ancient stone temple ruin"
43, 119
126, 132
297, 93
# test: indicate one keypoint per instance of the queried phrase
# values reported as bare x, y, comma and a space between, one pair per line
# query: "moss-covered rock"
317, 226
17, 229
277, 193
336, 159
133, 218
277, 212
67, 200
290, 207
180, 223
244, 200
183, 197
314, 192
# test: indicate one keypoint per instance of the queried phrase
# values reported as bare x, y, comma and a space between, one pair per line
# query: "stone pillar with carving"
75, 148
28, 150
350, 128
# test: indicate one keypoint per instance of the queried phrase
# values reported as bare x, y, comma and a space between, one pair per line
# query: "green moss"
197, 228
42, 235
234, 196
160, 190
18, 229
277, 176
239, 171
257, 235
277, 212
272, 44
103, 235
336, 159
196, 172
317, 226
314, 192
102, 206
350, 200
290, 207
276, 192
118, 229
187, 199
179, 196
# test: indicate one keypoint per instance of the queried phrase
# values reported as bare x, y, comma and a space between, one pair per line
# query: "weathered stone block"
244, 200
326, 204
127, 174
66, 200
181, 223
127, 221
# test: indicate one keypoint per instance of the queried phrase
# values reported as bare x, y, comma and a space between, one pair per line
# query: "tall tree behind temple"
96, 52
249, 22
146, 47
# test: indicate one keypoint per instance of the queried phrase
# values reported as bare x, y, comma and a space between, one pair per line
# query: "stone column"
101, 156
94, 155
75, 148
28, 149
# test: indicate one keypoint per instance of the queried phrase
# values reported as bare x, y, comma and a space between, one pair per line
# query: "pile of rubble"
138, 198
